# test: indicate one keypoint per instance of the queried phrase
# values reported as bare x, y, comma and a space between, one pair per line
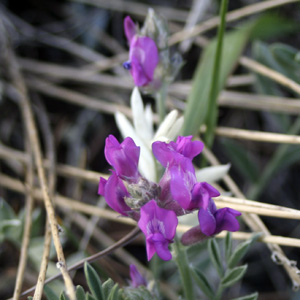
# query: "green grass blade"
197, 103
213, 92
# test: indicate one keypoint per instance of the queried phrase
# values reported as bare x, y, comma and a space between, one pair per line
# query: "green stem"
160, 98
219, 293
184, 269
212, 113
273, 165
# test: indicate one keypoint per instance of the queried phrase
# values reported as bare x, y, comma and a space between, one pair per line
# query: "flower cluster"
156, 206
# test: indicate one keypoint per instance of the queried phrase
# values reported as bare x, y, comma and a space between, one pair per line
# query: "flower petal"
144, 57
207, 221
101, 187
226, 219
114, 194
129, 28
123, 157
181, 185
159, 226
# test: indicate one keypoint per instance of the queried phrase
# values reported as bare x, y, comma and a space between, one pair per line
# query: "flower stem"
184, 269
160, 98
218, 293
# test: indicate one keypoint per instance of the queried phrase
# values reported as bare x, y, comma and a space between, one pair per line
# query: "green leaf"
261, 53
80, 294
197, 103
233, 275
62, 296
203, 283
253, 296
49, 293
272, 25
93, 281
286, 57
6, 212
140, 293
88, 296
228, 245
215, 255
107, 286
240, 251
114, 295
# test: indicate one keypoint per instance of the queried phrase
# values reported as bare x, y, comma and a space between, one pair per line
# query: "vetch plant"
156, 206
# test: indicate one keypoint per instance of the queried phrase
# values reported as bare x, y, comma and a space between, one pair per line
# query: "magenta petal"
114, 194
181, 185
144, 57
137, 72
211, 190
226, 219
180, 152
150, 248
161, 246
201, 195
159, 226
123, 157
101, 187
207, 221
187, 148
129, 28
162, 152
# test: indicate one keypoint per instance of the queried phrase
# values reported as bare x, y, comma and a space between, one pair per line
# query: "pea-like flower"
143, 55
114, 192
213, 220
179, 179
156, 205
159, 226
123, 157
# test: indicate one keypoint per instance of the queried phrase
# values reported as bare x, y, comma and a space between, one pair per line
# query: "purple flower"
136, 278
182, 151
202, 193
213, 220
143, 55
123, 157
159, 226
179, 179
114, 192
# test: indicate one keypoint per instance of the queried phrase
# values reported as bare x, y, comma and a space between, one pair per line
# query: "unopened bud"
193, 236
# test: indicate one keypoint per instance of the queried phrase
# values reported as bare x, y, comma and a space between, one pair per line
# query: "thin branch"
258, 136
27, 225
231, 16
121, 243
276, 76
61, 169
50, 150
25, 106
38, 292
137, 8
